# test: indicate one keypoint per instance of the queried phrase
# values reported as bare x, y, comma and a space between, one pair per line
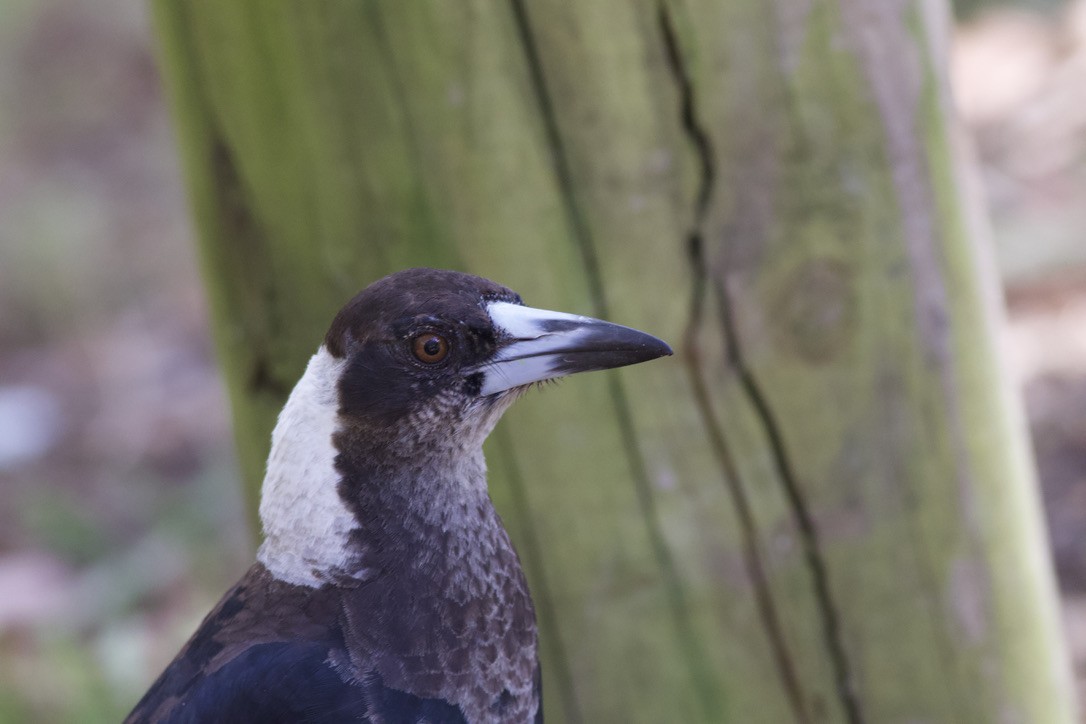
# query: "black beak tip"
645, 347
633, 344
657, 348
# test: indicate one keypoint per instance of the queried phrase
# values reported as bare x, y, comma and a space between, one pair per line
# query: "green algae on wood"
822, 509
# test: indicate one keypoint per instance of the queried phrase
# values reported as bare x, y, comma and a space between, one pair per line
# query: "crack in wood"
237, 222
690, 647
562, 170
808, 531
699, 139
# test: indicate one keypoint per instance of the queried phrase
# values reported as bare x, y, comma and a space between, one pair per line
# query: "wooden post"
823, 508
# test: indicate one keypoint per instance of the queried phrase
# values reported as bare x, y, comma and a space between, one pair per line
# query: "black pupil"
432, 347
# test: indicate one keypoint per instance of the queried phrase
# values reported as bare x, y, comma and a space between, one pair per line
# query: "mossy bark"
823, 508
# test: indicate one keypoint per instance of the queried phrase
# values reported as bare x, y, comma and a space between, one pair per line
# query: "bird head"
392, 411
432, 357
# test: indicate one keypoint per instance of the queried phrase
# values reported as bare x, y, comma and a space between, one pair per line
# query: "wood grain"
823, 508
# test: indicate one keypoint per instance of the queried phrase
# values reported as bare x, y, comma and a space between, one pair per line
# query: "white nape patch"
532, 357
307, 526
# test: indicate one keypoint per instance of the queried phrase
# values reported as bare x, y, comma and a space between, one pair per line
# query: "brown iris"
430, 348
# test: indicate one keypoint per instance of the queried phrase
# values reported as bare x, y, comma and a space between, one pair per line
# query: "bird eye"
430, 348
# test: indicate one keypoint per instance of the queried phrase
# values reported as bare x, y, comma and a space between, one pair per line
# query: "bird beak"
541, 345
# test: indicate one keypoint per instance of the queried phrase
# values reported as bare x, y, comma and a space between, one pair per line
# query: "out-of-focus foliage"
120, 520
1018, 76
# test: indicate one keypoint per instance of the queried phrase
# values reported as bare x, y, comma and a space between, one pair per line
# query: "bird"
386, 588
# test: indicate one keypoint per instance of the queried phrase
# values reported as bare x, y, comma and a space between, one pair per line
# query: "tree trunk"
823, 509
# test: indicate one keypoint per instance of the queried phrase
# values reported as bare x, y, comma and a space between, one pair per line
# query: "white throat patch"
306, 524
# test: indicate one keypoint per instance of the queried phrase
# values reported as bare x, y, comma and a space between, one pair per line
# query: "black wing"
274, 682
277, 683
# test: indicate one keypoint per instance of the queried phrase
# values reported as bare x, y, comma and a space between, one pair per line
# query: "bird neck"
339, 503
427, 517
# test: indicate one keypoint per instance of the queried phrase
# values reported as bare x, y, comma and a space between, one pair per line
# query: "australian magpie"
386, 588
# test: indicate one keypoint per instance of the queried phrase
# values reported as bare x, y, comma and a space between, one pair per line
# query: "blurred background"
121, 520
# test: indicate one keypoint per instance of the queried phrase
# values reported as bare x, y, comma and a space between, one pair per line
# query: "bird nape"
386, 588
